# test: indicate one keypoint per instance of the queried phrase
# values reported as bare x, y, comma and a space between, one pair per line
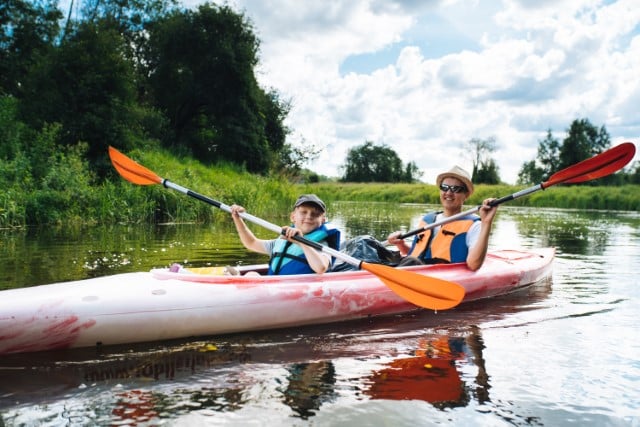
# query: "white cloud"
424, 77
514, 70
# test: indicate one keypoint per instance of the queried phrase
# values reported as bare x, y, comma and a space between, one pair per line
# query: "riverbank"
72, 197
624, 198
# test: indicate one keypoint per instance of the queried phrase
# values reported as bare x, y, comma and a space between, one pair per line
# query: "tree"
634, 173
546, 163
290, 160
27, 33
487, 173
87, 86
376, 163
412, 173
485, 170
202, 76
582, 142
549, 154
131, 16
530, 172
275, 111
131, 19
126, 71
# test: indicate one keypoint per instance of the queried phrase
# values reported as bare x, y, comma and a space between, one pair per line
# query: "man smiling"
463, 240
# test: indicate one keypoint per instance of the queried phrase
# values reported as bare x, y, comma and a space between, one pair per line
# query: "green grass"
69, 195
625, 197
224, 183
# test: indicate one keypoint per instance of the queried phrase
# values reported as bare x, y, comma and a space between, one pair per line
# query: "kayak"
162, 304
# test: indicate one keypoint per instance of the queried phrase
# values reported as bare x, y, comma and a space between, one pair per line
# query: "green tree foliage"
485, 169
202, 76
130, 18
86, 85
128, 72
583, 141
290, 160
549, 154
27, 33
15, 166
377, 163
529, 173
634, 174
41, 182
411, 172
546, 163
487, 173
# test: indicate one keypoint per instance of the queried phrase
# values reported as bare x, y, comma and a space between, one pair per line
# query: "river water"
565, 351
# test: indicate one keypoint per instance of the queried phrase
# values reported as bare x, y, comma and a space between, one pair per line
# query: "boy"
287, 256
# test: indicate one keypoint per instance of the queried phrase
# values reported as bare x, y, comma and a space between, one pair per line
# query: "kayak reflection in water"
432, 374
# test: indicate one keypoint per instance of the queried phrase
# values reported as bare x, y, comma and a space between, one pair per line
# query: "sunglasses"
453, 188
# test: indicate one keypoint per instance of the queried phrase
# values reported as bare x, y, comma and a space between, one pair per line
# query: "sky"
424, 76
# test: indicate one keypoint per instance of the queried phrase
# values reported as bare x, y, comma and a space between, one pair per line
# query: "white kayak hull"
160, 305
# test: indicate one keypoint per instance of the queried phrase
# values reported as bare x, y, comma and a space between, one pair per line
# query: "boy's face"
307, 217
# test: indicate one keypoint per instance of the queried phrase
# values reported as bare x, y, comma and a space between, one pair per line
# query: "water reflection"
135, 406
47, 375
37, 256
170, 364
433, 358
377, 219
309, 386
433, 374
303, 376
579, 232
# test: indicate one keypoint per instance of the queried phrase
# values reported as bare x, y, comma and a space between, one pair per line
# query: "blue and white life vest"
288, 258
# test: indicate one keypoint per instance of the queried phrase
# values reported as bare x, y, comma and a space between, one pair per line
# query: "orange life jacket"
448, 244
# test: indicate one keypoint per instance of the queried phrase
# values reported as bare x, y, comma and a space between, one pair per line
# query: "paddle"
597, 166
421, 290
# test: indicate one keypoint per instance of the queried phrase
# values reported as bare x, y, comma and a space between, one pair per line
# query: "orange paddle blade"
132, 171
423, 291
598, 166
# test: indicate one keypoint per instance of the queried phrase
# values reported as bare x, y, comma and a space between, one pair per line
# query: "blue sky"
436, 36
424, 77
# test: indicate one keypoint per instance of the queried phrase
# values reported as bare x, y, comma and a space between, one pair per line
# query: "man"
463, 240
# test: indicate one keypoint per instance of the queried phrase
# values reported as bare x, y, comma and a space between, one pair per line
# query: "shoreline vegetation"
76, 200
621, 198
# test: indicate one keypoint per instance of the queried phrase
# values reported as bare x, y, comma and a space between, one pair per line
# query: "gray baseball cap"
310, 198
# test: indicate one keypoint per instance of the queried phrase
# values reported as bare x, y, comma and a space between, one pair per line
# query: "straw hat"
459, 173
